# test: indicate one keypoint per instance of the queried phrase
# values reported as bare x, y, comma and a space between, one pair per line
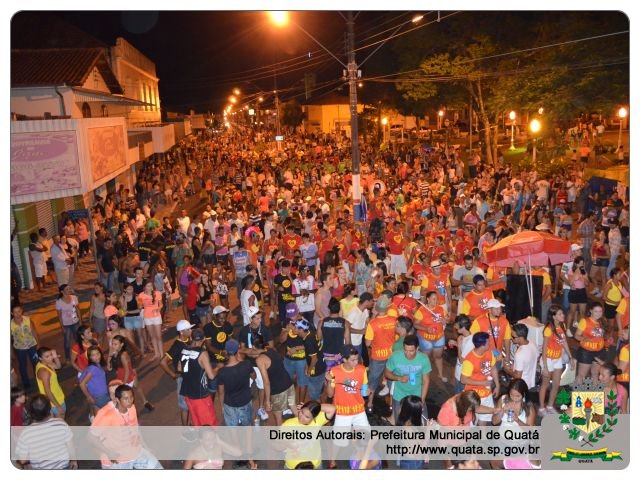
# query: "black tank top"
132, 305
278, 376
194, 377
206, 297
333, 335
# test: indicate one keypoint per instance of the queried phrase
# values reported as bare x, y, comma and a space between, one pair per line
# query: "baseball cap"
303, 324
198, 334
291, 310
253, 311
436, 263
575, 246
493, 303
183, 325
219, 309
232, 346
110, 310
366, 296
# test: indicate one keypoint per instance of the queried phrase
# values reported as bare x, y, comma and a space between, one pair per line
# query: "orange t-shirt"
555, 343
478, 368
291, 243
499, 330
623, 356
495, 273
438, 284
623, 309
434, 320
394, 242
593, 335
405, 305
348, 385
381, 332
474, 303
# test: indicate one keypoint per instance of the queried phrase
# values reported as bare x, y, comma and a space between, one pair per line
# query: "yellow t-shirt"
307, 450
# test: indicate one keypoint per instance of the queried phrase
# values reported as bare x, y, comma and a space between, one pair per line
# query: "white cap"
183, 325
206, 215
493, 303
436, 263
219, 309
575, 246
252, 311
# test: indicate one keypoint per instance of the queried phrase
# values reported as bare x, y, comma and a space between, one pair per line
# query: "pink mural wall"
44, 162
106, 150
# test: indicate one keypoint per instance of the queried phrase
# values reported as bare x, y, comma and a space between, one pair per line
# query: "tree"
291, 114
554, 60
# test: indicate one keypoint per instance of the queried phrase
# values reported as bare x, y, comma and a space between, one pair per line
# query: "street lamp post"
440, 115
384, 122
534, 126
622, 113
512, 117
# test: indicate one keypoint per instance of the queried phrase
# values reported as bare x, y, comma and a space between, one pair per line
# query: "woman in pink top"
150, 300
607, 376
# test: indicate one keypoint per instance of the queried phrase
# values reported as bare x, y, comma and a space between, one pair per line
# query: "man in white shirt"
211, 223
358, 318
184, 221
304, 288
61, 262
525, 358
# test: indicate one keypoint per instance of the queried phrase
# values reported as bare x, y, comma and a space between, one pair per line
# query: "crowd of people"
289, 313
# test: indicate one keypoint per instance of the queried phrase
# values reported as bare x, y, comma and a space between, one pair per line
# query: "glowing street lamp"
384, 121
279, 17
417, 18
440, 115
512, 117
535, 127
233, 99
236, 91
622, 113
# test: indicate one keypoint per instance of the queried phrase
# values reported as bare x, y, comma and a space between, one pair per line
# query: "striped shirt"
44, 444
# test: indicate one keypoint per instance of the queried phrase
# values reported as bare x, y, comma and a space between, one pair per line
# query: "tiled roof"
60, 66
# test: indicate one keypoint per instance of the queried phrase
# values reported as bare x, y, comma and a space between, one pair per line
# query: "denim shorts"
295, 368
238, 416
102, 400
315, 385
131, 323
375, 373
182, 403
427, 346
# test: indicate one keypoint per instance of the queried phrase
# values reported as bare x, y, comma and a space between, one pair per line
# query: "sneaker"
569, 334
551, 409
575, 324
542, 411
384, 391
284, 413
262, 413
91, 417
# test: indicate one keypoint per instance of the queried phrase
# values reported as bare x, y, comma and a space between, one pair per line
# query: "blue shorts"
375, 373
54, 410
238, 416
315, 385
427, 346
131, 323
102, 400
295, 369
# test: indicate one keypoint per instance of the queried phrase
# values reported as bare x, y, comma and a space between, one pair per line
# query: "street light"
384, 121
622, 113
534, 126
236, 91
279, 17
353, 74
440, 115
512, 117
417, 18
233, 99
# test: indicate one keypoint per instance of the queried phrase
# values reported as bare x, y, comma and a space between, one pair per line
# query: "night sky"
201, 56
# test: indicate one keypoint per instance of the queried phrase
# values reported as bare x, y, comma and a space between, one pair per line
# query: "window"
105, 112
86, 110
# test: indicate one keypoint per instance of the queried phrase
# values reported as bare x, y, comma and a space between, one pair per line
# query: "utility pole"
352, 72
275, 85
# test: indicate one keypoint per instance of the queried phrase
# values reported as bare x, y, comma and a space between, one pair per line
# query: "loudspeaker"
517, 303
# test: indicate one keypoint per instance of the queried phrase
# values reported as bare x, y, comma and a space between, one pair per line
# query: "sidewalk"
40, 306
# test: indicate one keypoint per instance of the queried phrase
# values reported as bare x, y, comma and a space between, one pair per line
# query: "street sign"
78, 214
